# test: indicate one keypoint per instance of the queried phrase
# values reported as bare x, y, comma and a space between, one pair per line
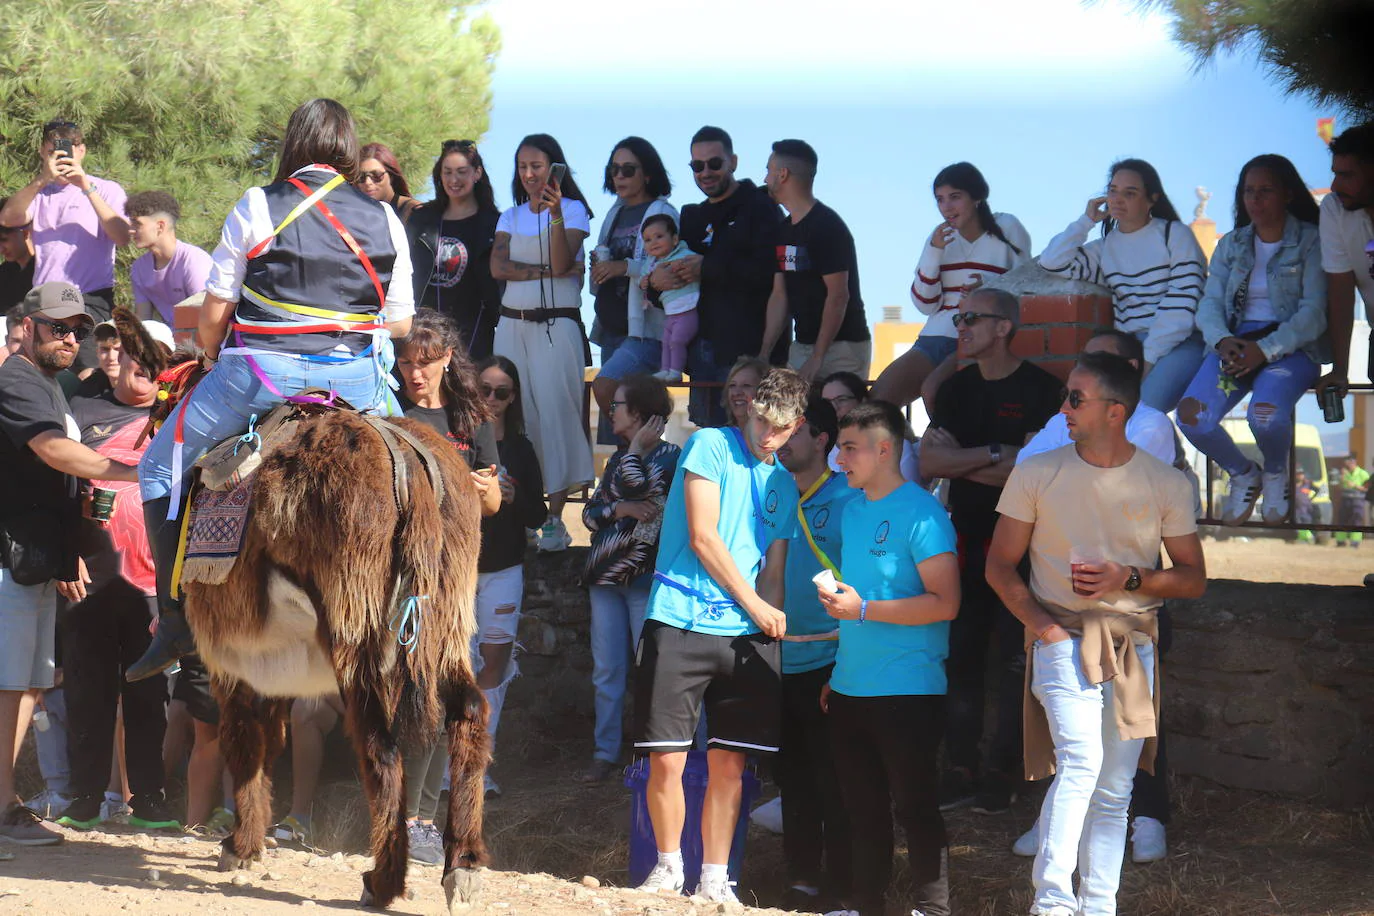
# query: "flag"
1326, 129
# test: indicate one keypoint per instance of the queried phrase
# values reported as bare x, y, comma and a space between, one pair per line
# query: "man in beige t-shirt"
1093, 516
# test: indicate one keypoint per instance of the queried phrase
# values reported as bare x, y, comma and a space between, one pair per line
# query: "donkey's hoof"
229, 860
462, 887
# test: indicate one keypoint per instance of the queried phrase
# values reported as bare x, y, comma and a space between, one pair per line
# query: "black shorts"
738, 678
191, 685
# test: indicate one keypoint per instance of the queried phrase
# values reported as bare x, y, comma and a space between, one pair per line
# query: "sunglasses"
1077, 400
62, 331
628, 169
374, 177
968, 318
701, 165
501, 393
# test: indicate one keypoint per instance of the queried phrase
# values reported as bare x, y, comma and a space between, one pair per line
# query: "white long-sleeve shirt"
1146, 429
1156, 275
943, 275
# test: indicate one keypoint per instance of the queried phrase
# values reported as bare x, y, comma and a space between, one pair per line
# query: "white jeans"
1083, 819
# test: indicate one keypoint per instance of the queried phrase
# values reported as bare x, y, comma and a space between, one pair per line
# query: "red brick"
1028, 343
1045, 309
1095, 310
1068, 340
1057, 367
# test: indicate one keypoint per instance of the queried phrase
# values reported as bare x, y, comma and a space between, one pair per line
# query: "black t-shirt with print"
979, 412
613, 296
479, 450
807, 252
454, 276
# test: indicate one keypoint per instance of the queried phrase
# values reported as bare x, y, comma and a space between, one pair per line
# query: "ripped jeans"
1274, 389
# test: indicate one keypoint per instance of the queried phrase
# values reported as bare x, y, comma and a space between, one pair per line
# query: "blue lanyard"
712, 609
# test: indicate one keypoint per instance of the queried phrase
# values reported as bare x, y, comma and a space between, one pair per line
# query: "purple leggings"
678, 331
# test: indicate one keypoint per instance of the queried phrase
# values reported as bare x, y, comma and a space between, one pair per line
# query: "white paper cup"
825, 580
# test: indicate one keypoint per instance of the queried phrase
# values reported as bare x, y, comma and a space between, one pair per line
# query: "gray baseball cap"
56, 300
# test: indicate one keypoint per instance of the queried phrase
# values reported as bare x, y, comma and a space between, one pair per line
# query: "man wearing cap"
39, 516
77, 220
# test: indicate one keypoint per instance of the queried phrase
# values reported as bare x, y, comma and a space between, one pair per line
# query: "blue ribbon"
249, 437
712, 608
405, 623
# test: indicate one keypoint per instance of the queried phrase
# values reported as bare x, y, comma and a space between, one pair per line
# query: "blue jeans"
617, 618
1083, 819
704, 405
1274, 389
231, 394
1169, 378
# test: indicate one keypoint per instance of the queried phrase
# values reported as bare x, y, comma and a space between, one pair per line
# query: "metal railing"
1209, 485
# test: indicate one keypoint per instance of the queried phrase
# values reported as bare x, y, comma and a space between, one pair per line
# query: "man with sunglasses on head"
732, 233
1093, 516
42, 454
77, 221
983, 414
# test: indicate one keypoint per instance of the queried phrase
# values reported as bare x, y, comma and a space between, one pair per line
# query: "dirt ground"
1231, 853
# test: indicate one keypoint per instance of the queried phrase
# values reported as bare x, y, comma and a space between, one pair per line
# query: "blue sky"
1042, 96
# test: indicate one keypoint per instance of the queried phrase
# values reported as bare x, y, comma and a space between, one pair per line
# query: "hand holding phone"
557, 172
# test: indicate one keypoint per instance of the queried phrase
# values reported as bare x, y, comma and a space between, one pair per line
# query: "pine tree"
192, 96
1318, 48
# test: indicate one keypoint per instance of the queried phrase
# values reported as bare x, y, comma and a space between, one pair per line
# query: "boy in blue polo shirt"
886, 695
711, 634
814, 822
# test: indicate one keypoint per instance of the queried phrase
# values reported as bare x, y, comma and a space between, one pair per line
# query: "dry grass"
1231, 853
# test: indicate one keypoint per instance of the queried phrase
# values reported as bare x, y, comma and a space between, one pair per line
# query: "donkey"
336, 588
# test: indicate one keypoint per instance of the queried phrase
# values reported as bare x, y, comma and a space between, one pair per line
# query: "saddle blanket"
214, 532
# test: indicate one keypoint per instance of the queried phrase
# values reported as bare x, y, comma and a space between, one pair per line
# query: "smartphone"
62, 145
556, 173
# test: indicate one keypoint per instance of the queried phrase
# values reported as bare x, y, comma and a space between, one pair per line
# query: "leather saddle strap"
400, 473
431, 463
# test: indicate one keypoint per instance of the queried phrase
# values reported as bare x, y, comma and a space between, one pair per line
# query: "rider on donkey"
311, 281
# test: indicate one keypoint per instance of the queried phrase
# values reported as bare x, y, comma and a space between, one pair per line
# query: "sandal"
599, 771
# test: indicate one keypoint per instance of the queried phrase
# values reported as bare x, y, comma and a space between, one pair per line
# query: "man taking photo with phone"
77, 221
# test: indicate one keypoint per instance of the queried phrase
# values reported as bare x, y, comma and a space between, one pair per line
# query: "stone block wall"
1271, 687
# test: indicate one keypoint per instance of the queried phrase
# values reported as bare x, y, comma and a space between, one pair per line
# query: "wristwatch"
995, 452
1133, 580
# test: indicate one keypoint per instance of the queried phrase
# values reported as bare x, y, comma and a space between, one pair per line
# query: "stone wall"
1272, 687
1267, 686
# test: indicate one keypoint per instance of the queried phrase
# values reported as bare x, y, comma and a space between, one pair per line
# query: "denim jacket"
1297, 291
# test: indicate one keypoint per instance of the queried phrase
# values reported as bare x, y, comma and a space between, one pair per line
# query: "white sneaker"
48, 804
662, 878
768, 815
1028, 843
714, 890
843, 913
1241, 497
668, 375
1147, 840
1276, 492
115, 812
553, 536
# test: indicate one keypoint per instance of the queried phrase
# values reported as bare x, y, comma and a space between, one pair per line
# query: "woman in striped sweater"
1154, 267
969, 247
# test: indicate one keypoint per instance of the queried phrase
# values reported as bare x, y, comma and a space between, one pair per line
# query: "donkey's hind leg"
379, 762
252, 735
469, 753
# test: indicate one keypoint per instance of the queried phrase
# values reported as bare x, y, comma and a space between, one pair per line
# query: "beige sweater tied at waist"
1109, 653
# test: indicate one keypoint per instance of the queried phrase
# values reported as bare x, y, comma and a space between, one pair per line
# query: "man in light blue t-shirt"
886, 696
711, 634
815, 826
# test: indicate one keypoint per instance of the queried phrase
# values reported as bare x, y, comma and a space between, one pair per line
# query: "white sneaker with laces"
1241, 497
662, 878
1147, 840
668, 375
1276, 492
768, 815
48, 804
843, 913
1028, 843
553, 536
115, 812
714, 890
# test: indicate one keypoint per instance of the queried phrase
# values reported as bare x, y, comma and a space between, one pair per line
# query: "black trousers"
885, 751
815, 825
1150, 795
101, 637
983, 619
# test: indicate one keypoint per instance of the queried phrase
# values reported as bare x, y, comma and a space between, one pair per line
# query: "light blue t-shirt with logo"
823, 513
884, 540
758, 505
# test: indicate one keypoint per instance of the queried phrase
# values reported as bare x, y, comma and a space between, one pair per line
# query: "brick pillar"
1058, 316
